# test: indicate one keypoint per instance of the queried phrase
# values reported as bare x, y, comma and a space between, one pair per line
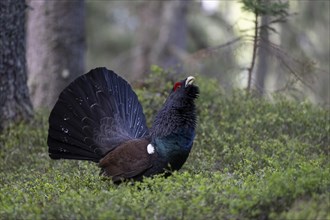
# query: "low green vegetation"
252, 159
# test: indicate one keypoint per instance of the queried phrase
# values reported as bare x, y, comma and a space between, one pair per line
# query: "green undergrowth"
252, 159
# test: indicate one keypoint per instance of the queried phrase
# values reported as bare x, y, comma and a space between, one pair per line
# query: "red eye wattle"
177, 85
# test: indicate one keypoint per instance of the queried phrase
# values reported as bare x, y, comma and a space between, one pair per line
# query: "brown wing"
126, 161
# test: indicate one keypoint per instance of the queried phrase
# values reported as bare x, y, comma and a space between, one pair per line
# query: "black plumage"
98, 117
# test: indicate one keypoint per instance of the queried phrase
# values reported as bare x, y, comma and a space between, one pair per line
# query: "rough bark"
15, 104
55, 48
162, 34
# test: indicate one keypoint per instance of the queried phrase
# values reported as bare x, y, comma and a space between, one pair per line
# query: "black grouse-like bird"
98, 117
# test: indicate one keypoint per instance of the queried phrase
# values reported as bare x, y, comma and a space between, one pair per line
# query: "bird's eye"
177, 85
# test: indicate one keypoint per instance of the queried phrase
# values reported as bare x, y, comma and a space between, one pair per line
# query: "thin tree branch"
281, 19
250, 69
211, 50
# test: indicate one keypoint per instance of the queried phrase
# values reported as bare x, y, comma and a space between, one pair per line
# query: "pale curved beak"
189, 81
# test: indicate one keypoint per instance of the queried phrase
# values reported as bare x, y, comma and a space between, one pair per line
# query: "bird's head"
185, 89
179, 105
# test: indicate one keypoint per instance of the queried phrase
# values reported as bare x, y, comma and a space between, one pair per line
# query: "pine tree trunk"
262, 67
55, 48
15, 104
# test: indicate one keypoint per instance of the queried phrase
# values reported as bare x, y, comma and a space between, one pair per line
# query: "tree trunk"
55, 48
15, 104
161, 36
262, 67
172, 34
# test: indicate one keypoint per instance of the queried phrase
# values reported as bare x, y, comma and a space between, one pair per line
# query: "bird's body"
98, 117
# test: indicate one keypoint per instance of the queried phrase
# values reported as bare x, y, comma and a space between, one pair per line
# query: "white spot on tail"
150, 149
65, 73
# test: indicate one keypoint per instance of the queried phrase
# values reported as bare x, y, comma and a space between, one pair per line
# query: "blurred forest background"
264, 46
212, 38
215, 38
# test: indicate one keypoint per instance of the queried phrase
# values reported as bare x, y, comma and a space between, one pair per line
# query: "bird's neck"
174, 118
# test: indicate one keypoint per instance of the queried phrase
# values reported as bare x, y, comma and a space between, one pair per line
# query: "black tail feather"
93, 115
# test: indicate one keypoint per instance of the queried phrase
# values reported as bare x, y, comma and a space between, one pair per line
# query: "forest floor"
252, 159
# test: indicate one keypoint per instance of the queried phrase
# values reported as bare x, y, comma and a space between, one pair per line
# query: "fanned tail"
93, 115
